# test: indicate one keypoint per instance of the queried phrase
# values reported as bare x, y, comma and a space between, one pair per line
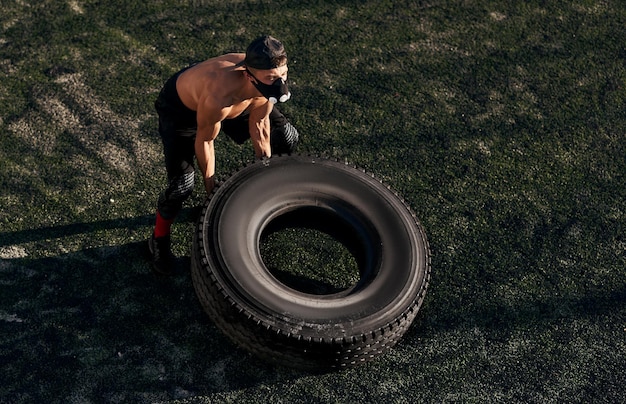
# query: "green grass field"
502, 124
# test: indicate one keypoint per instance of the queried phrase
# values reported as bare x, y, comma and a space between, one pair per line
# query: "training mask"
277, 91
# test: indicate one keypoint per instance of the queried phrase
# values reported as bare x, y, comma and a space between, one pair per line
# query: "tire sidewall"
237, 212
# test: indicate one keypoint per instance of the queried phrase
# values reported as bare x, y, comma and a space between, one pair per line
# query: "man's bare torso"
222, 78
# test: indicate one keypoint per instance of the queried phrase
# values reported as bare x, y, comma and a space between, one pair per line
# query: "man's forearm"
205, 154
260, 129
260, 136
262, 148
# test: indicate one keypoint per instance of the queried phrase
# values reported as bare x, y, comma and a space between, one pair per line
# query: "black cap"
265, 52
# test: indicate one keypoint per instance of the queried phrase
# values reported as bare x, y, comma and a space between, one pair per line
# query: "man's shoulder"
228, 59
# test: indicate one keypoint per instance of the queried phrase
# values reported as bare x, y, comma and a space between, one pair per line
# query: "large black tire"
295, 327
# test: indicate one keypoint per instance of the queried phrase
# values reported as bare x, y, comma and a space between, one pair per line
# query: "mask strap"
253, 76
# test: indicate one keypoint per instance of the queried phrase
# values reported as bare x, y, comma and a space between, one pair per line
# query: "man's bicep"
209, 119
208, 131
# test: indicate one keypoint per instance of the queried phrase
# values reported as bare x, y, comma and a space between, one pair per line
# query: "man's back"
221, 78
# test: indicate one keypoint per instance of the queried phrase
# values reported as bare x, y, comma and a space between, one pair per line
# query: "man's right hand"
209, 184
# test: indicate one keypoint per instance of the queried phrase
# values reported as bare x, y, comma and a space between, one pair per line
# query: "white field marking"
12, 252
208, 3
8, 24
598, 8
448, 97
75, 7
23, 128
436, 41
10, 318
20, 8
82, 94
41, 128
32, 129
60, 113
89, 136
497, 16
114, 125
8, 66
140, 50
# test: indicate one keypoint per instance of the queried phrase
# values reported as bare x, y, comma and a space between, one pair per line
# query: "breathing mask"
277, 91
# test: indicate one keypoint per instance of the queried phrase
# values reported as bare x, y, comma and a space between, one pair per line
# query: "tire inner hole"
312, 251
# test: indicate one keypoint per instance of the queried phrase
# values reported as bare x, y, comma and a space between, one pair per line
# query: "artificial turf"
502, 124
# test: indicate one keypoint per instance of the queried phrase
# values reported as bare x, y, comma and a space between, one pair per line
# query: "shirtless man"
234, 93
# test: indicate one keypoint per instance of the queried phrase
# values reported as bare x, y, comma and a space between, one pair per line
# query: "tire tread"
273, 343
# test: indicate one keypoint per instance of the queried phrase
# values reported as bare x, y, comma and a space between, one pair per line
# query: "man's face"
271, 83
270, 76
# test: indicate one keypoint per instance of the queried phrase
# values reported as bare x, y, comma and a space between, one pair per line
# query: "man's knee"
179, 189
284, 139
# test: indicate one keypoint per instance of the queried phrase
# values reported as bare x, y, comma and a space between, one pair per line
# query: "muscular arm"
260, 129
209, 124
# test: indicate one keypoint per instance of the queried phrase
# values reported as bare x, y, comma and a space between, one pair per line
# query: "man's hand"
209, 184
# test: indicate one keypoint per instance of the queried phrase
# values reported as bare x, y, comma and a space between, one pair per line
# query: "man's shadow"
98, 325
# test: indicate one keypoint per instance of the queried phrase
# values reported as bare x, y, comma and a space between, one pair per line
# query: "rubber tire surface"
289, 326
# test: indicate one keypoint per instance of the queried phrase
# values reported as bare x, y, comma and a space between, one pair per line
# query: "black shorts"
170, 107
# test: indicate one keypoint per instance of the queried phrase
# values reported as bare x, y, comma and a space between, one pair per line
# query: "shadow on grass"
187, 215
503, 317
97, 325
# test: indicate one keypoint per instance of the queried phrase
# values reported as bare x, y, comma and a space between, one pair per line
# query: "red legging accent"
163, 226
